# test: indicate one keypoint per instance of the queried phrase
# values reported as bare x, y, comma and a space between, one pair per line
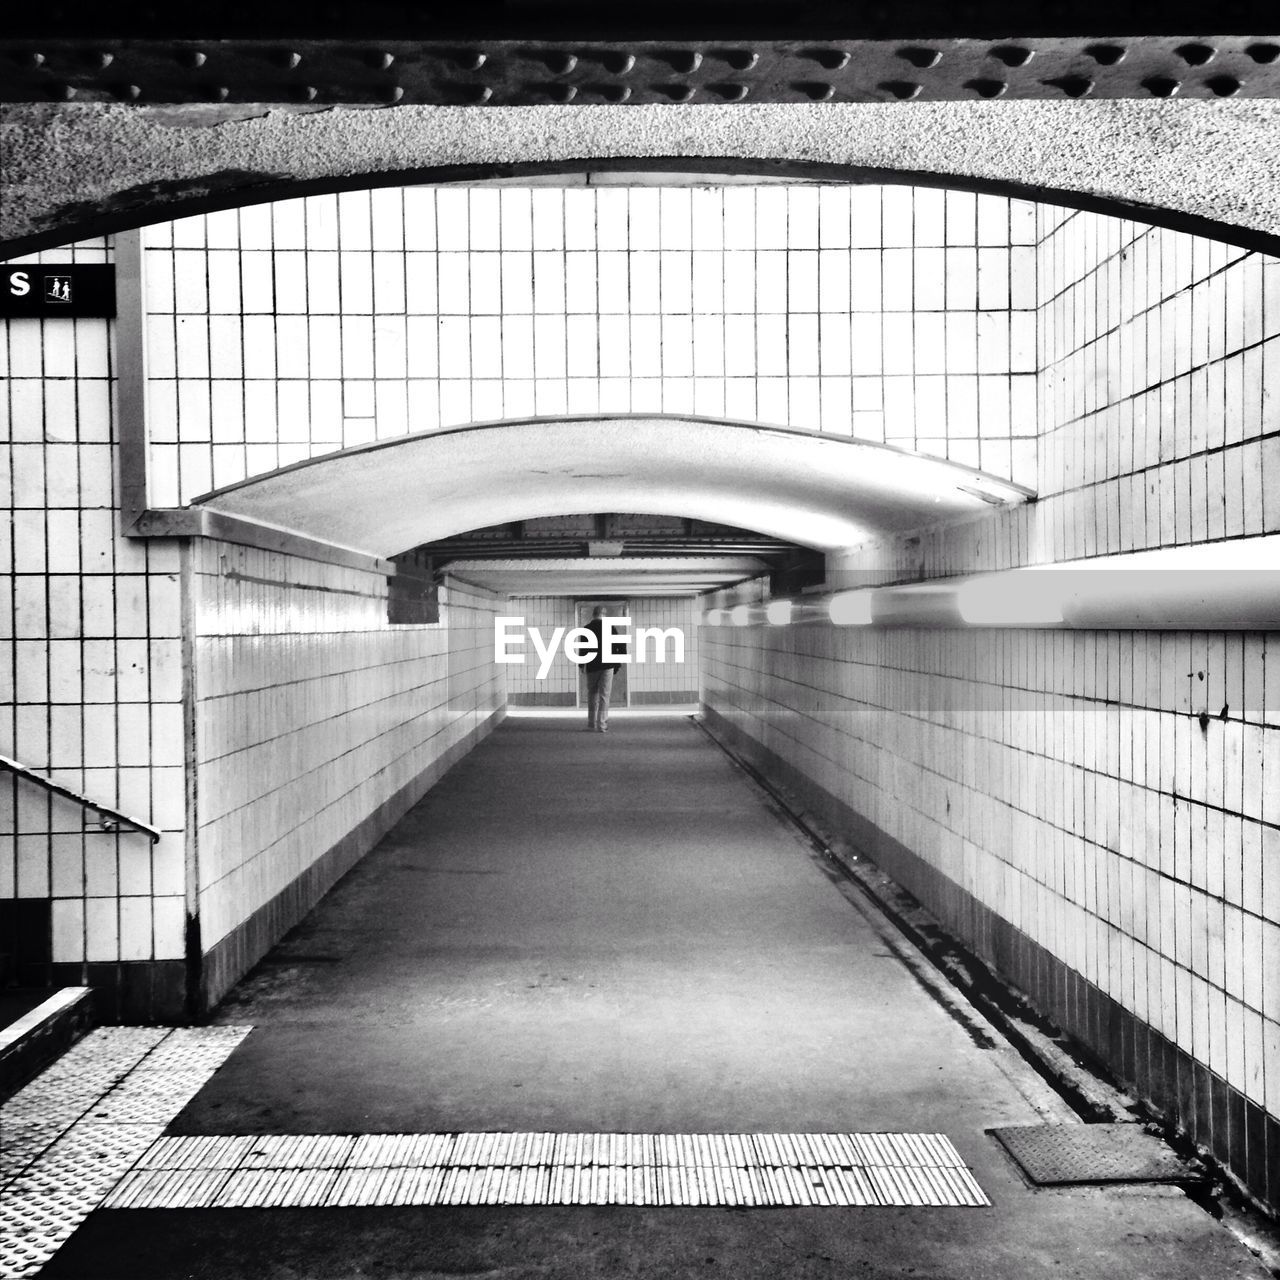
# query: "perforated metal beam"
522, 72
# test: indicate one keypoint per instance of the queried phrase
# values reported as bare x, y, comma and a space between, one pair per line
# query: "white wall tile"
750, 255
285, 774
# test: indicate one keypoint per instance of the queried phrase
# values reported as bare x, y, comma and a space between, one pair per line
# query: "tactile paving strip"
1066, 1154
68, 1137
744, 1169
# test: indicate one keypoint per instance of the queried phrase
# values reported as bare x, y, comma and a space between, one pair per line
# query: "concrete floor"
574, 932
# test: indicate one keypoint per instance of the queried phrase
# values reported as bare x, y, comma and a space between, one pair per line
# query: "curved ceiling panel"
1205, 165
820, 491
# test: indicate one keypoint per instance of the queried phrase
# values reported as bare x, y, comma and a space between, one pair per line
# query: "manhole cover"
1058, 1154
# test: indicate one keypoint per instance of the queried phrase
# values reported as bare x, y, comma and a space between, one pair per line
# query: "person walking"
600, 674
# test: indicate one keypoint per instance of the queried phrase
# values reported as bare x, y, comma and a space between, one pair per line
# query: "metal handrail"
109, 819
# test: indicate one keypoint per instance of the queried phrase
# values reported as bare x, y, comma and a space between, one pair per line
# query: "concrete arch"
74, 170
824, 492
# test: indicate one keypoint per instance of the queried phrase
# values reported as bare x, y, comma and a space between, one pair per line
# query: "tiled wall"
92, 696
560, 688
648, 682
283, 331
655, 682
1160, 363
1056, 796
317, 724
91, 679
1061, 783
1161, 359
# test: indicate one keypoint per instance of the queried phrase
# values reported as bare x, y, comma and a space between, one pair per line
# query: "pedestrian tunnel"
951, 496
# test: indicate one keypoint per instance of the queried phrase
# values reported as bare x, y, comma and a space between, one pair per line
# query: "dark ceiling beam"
641, 535
526, 19
557, 550
717, 66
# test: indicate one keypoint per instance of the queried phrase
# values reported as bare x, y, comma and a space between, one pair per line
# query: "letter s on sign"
19, 283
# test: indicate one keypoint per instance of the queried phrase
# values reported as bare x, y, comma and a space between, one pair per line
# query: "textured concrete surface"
581, 932
820, 491
73, 166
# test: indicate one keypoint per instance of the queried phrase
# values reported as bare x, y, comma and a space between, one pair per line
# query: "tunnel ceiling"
581, 576
820, 492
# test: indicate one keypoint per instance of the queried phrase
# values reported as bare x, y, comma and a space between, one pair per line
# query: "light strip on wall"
850, 608
1228, 585
1002, 600
1231, 585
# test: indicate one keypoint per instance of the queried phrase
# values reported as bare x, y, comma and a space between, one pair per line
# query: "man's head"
599, 612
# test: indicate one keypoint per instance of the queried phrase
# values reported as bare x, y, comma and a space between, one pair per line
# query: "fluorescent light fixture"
713, 617
1230, 584
993, 497
740, 615
778, 612
1017, 599
850, 608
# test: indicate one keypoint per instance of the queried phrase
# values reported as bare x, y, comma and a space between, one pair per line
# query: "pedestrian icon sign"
57, 290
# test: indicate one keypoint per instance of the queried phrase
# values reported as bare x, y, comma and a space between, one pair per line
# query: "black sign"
53, 289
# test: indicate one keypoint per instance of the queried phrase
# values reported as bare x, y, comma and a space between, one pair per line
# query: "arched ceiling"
823, 492
78, 169
116, 117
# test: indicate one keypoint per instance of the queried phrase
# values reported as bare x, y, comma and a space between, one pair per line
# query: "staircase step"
39, 1036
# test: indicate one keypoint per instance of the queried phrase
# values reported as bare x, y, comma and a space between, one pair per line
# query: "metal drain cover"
1062, 1154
